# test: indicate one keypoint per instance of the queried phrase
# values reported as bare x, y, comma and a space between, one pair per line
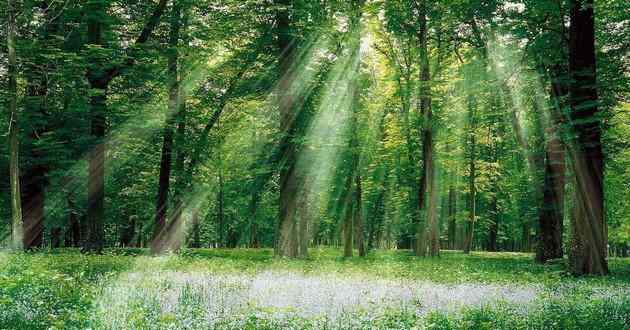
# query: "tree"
588, 246
174, 106
99, 76
14, 143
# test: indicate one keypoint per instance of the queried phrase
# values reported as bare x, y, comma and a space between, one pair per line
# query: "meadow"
252, 289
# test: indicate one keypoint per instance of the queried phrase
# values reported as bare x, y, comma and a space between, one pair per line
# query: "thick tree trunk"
97, 110
552, 209
14, 144
96, 170
551, 214
33, 206
427, 238
287, 242
589, 242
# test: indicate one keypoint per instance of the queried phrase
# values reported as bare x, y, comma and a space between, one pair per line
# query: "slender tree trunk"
358, 217
253, 228
220, 212
160, 237
14, 144
494, 202
303, 218
452, 216
494, 225
589, 241
468, 242
348, 230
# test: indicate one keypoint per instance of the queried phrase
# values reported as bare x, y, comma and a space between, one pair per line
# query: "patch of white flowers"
190, 298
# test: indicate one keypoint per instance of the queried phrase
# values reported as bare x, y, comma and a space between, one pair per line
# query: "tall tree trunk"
35, 113
589, 242
160, 236
97, 110
287, 242
427, 231
494, 202
470, 231
14, 144
180, 132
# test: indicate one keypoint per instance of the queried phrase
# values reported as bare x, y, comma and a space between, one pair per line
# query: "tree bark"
287, 243
494, 225
468, 242
160, 236
33, 206
220, 212
14, 144
358, 217
73, 228
427, 227
348, 230
552, 209
589, 240
452, 216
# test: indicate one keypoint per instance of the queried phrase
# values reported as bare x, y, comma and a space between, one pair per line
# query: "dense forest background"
426, 125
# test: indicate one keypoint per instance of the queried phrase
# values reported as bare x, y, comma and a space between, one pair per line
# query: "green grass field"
250, 289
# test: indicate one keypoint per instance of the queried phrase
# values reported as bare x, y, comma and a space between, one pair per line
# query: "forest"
315, 164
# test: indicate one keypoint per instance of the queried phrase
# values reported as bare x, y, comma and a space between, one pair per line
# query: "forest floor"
250, 289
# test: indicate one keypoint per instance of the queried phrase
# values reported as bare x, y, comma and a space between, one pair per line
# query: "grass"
63, 289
